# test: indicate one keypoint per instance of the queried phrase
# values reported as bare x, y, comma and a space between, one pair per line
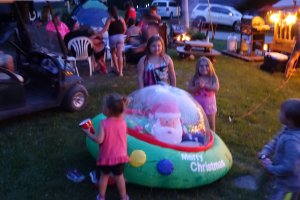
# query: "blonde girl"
203, 86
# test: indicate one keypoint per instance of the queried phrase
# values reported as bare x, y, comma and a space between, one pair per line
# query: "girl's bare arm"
98, 137
213, 85
124, 25
141, 68
106, 26
192, 87
172, 75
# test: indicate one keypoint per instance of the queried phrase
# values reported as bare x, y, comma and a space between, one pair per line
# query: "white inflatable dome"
169, 114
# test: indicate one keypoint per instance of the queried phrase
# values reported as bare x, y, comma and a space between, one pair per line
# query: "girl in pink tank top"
112, 141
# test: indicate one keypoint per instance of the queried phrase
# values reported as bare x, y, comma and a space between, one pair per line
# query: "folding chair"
81, 47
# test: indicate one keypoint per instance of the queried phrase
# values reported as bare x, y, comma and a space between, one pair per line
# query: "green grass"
37, 149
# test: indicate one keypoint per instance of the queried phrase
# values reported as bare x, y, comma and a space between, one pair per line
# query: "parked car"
220, 14
167, 8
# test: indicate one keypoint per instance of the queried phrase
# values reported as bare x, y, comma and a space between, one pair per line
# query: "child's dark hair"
131, 22
71, 22
57, 14
291, 109
153, 7
115, 103
113, 11
128, 4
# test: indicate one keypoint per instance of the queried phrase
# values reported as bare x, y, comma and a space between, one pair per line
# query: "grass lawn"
37, 149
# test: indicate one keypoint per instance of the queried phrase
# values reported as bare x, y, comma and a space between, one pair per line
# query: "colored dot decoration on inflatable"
169, 141
165, 167
137, 158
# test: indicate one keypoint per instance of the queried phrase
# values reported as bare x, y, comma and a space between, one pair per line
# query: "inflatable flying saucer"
169, 141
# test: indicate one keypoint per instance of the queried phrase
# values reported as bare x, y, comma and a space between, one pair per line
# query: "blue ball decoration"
165, 167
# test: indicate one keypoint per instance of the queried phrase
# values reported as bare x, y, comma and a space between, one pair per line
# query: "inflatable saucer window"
169, 141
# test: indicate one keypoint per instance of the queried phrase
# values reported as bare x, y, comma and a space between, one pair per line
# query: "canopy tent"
286, 4
91, 13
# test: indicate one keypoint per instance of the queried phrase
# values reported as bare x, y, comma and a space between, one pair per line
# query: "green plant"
196, 35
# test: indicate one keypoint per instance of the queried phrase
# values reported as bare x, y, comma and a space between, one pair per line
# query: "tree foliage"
255, 4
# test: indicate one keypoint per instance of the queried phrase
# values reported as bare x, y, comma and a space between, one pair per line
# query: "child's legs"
117, 171
120, 56
114, 58
120, 180
103, 184
277, 194
98, 172
103, 180
7, 62
99, 57
209, 105
295, 196
212, 121
10, 63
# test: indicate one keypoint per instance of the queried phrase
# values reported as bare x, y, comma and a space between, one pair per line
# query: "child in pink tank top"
112, 141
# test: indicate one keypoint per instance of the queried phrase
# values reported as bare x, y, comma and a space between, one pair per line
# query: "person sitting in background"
148, 30
150, 24
77, 31
61, 26
155, 17
7, 61
98, 48
150, 17
133, 33
45, 17
99, 52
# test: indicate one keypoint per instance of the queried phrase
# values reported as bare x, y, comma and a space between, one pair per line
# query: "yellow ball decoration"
137, 158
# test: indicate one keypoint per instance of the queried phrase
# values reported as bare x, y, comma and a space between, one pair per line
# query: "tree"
253, 5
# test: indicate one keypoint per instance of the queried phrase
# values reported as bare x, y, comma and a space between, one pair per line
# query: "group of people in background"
154, 67
280, 157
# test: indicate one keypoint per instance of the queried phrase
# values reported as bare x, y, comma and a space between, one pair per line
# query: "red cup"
87, 124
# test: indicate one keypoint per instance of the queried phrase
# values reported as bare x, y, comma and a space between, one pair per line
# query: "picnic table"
197, 48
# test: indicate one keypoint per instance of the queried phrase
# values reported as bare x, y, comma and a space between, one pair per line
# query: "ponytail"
116, 104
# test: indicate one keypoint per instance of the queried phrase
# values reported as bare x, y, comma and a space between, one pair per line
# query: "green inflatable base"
189, 169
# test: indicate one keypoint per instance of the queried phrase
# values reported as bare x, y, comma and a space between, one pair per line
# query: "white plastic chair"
81, 46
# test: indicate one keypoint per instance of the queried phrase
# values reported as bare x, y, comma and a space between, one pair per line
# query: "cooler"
274, 61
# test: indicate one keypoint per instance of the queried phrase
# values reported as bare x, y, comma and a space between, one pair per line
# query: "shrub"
196, 35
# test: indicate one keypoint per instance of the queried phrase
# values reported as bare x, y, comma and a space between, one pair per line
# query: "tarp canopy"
91, 13
286, 4
11, 1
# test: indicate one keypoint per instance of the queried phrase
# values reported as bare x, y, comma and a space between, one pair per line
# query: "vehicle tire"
76, 98
198, 21
237, 26
171, 15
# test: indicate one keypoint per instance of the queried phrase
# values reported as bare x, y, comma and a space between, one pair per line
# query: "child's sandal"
127, 197
99, 197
